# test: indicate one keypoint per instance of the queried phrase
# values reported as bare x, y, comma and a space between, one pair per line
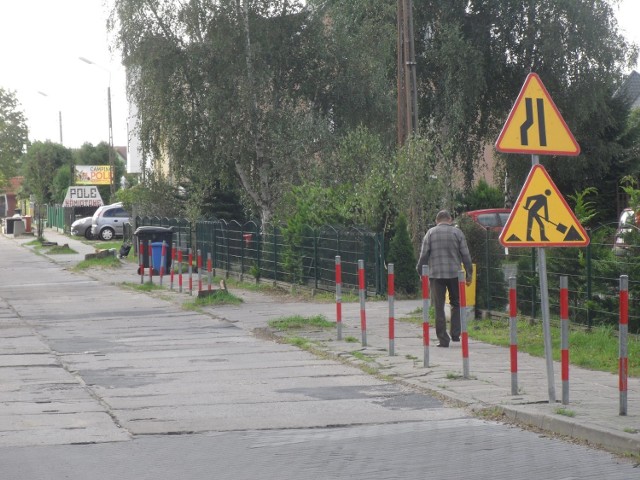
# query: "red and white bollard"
199, 271
426, 305
173, 262
141, 260
564, 337
190, 258
339, 297
363, 312
150, 250
623, 362
209, 270
464, 336
163, 260
513, 334
180, 270
392, 320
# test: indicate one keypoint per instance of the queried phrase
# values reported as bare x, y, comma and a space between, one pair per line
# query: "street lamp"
59, 116
112, 172
71, 166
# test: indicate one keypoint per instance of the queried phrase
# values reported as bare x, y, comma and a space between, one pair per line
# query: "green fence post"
589, 279
227, 254
486, 267
315, 257
275, 255
241, 251
258, 252
533, 286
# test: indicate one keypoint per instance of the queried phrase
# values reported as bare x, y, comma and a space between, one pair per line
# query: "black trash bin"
155, 235
9, 224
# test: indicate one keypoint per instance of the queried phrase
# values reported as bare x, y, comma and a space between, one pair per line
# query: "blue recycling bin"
156, 249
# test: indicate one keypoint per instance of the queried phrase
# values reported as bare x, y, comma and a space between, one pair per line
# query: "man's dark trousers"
439, 287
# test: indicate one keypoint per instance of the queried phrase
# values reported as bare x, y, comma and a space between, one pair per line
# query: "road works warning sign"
541, 216
535, 125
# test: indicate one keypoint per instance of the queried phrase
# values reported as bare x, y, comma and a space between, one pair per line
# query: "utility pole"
407, 117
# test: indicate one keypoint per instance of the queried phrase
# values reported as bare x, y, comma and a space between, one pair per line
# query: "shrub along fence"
305, 256
593, 272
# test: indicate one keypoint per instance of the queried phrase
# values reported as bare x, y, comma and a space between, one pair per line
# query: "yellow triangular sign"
535, 125
541, 216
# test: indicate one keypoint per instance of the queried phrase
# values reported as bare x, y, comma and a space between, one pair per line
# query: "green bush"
402, 256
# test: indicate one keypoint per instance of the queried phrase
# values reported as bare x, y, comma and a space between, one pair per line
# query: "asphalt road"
99, 382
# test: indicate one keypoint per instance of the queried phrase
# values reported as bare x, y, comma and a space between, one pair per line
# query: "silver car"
82, 227
108, 221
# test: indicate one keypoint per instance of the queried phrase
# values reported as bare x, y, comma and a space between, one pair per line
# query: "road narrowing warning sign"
535, 125
541, 216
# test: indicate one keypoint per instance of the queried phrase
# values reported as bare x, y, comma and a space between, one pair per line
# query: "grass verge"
595, 349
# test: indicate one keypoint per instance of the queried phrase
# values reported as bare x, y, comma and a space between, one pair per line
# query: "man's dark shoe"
455, 339
442, 345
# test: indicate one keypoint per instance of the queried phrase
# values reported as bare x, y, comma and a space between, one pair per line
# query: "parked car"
108, 221
626, 224
491, 218
82, 227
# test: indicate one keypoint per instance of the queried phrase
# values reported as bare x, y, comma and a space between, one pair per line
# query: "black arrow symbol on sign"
524, 128
528, 123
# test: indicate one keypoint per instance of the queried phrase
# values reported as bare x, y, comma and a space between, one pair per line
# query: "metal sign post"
535, 126
544, 305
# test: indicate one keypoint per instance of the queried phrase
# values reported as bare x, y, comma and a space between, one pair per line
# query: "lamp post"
71, 165
59, 115
112, 172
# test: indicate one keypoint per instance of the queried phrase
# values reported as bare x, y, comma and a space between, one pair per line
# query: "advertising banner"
93, 175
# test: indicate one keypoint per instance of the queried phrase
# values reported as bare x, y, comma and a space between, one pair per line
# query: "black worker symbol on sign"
533, 205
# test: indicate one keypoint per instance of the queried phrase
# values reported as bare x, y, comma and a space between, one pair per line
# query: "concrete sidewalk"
593, 396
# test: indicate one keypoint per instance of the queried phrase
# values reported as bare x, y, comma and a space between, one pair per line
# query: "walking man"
444, 249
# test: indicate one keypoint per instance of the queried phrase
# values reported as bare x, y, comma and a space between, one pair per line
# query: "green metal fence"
593, 272
269, 253
306, 257
56, 217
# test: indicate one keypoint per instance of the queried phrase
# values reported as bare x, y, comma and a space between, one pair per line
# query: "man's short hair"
443, 216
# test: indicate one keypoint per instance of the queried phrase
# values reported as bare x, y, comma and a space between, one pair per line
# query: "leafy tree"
482, 196
154, 197
403, 257
217, 118
40, 164
474, 56
13, 135
419, 188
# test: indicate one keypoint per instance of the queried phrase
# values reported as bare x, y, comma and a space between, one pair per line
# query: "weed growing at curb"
299, 322
219, 297
145, 287
361, 356
566, 412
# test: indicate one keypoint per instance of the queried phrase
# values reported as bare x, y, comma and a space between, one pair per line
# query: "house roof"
122, 151
14, 184
630, 89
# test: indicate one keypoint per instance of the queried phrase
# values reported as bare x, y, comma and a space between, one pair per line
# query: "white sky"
40, 42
